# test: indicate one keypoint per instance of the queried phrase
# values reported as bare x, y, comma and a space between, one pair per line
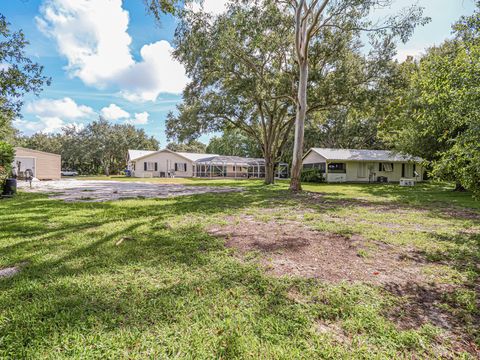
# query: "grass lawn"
153, 278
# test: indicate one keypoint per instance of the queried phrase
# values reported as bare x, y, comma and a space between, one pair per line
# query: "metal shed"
44, 165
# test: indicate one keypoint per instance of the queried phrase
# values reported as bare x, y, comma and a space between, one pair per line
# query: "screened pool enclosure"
236, 167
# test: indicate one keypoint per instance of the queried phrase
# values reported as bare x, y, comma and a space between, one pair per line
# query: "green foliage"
437, 114
19, 75
312, 175
235, 143
7, 153
101, 147
172, 290
192, 146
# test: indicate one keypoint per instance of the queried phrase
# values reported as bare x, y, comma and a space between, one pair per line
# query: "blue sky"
109, 57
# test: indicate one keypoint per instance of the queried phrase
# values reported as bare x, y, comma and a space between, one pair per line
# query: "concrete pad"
73, 190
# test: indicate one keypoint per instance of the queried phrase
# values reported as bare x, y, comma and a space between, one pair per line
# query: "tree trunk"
295, 182
269, 170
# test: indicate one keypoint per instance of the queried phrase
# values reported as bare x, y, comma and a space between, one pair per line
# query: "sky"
110, 58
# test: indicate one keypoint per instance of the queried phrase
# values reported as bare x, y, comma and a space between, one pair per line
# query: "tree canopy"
192, 146
437, 115
98, 148
18, 75
244, 73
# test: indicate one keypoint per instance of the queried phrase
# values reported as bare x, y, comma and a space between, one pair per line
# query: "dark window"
145, 166
403, 170
156, 166
320, 166
180, 166
337, 168
387, 167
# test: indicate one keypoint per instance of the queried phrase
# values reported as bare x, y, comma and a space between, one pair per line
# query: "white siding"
313, 158
165, 163
373, 167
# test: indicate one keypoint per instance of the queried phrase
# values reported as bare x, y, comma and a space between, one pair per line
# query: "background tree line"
99, 148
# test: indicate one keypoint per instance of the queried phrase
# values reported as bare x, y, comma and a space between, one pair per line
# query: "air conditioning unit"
407, 182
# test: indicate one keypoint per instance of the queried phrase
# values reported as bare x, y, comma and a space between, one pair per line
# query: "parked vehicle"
69, 173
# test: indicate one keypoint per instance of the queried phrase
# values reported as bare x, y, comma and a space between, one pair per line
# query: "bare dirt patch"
100, 190
421, 304
289, 248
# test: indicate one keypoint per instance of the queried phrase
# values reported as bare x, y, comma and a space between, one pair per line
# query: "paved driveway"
98, 190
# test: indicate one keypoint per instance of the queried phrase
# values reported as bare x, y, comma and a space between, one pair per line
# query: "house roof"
231, 160
135, 154
363, 155
35, 151
188, 156
195, 156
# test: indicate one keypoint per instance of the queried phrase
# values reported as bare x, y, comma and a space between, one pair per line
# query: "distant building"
43, 165
351, 165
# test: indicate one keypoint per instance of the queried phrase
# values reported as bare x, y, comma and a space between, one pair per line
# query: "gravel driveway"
98, 190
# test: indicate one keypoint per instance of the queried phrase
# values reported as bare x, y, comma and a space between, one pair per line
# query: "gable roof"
32, 150
135, 154
363, 155
187, 156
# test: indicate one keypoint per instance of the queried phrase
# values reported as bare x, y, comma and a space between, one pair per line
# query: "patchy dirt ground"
290, 248
99, 190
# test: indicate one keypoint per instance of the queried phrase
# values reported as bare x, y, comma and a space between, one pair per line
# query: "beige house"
44, 165
163, 163
167, 163
350, 165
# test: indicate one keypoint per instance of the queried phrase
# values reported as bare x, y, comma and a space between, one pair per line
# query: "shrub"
7, 153
312, 175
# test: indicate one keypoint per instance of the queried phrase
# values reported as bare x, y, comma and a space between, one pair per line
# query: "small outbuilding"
354, 165
44, 165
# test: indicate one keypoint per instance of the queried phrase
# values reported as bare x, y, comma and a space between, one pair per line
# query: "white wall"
313, 158
165, 162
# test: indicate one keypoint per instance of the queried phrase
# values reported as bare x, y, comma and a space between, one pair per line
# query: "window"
181, 167
362, 170
148, 166
337, 168
387, 167
320, 166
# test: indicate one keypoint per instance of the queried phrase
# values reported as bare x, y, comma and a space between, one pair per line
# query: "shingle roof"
135, 154
364, 155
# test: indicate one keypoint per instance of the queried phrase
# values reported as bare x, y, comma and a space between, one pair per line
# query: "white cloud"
92, 35
62, 108
114, 112
139, 119
44, 124
157, 73
214, 7
53, 114
404, 53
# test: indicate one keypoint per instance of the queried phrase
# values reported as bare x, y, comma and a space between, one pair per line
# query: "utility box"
407, 182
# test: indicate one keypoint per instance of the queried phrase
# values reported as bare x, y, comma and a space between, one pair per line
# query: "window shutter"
176, 167
156, 166
145, 166
392, 166
379, 166
185, 167
403, 170
414, 168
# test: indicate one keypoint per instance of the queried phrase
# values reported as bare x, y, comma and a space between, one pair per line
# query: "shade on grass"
143, 279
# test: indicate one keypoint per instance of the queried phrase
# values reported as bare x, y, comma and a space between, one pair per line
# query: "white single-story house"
350, 165
168, 163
